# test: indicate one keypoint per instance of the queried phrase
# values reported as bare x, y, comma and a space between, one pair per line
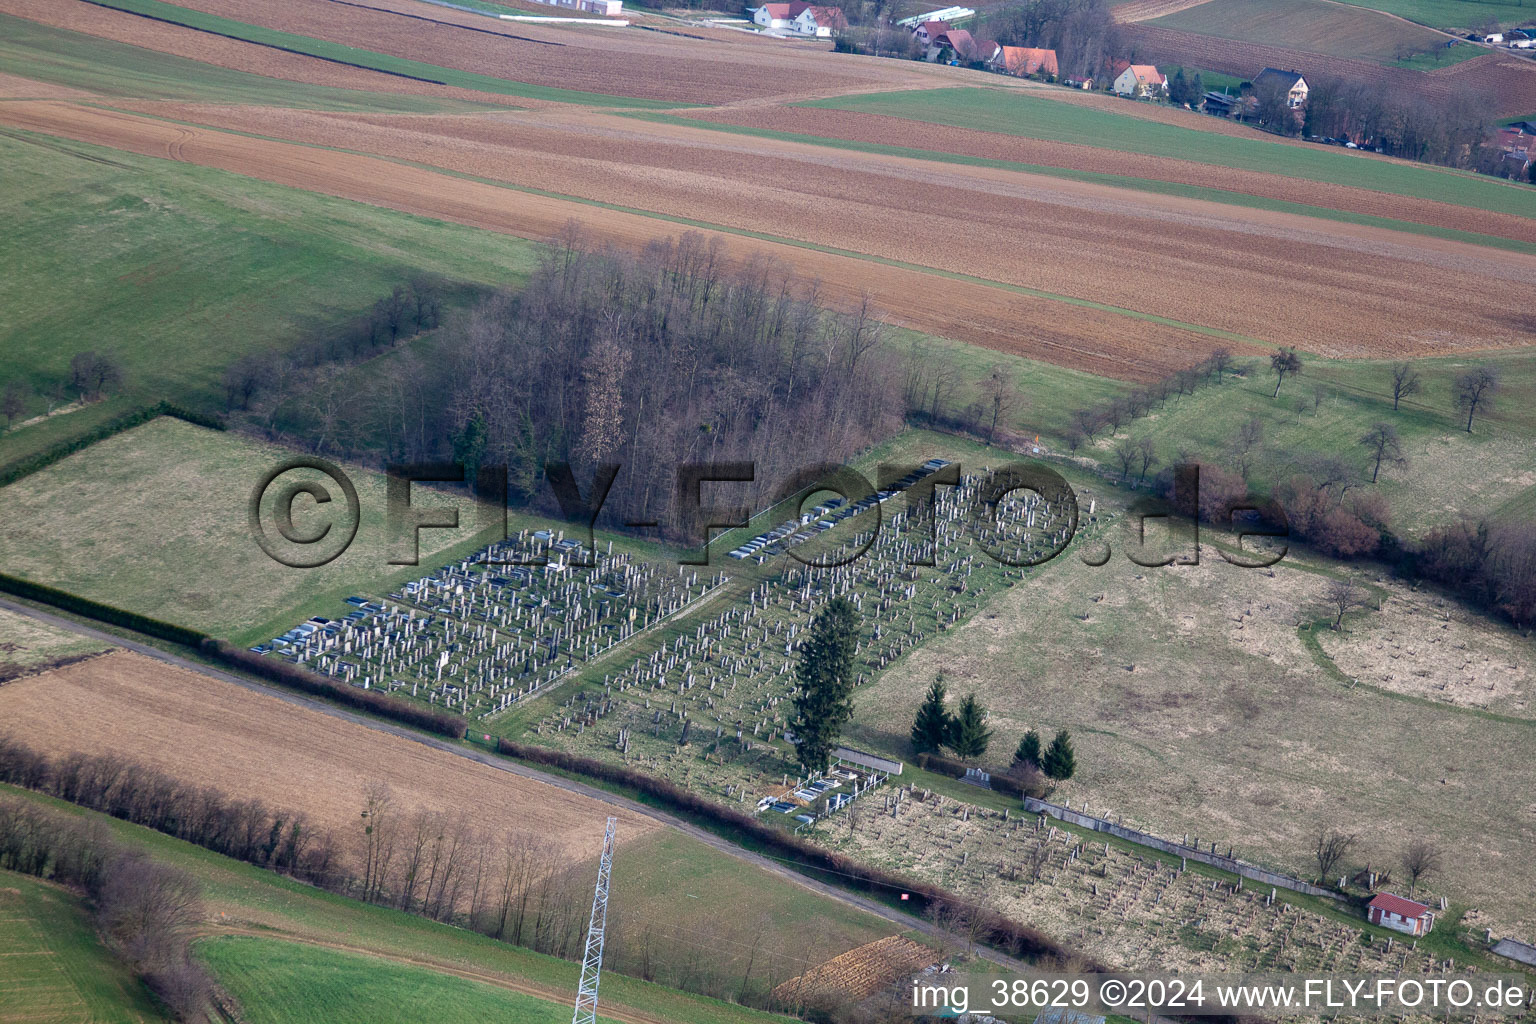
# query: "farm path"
712, 840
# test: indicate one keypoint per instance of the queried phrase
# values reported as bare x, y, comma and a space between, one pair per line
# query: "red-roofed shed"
1400, 915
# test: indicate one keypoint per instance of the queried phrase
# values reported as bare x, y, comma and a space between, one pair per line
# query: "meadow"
97, 524
179, 270
278, 982
1452, 14
56, 969
26, 643
1450, 473
1015, 112
242, 899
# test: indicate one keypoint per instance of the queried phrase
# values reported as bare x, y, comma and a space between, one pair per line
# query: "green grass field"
384, 62
1453, 14
26, 642
55, 969
239, 896
1450, 473
1313, 25
1441, 56
78, 61
285, 983
180, 269
98, 524
1013, 112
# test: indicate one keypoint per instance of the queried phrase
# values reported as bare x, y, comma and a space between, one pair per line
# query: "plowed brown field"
1192, 262
879, 128
1508, 89
615, 61
255, 747
105, 23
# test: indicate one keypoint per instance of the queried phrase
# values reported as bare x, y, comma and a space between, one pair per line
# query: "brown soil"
251, 746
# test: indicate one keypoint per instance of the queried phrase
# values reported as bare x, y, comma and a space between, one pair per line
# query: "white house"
1291, 82
1400, 915
819, 21
1139, 80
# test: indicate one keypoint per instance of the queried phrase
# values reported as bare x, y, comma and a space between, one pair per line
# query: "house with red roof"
777, 16
1023, 61
927, 34
1400, 915
1138, 80
966, 48
819, 21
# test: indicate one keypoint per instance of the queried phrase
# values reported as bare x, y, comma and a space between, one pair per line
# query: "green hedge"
29, 464
101, 612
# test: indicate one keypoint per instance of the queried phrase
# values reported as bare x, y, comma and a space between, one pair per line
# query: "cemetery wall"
1520, 951
1215, 860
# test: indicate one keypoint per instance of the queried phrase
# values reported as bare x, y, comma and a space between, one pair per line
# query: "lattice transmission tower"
592, 962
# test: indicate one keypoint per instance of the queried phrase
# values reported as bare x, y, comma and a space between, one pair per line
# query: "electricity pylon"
592, 962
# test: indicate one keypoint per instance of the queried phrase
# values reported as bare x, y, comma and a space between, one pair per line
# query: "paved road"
903, 921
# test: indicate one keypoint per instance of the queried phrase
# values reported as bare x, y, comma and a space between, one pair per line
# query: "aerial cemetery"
480, 634
706, 704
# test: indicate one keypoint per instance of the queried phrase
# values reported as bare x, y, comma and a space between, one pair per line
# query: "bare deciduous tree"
1285, 363
1330, 849
1405, 382
1382, 445
1477, 389
1344, 596
1420, 859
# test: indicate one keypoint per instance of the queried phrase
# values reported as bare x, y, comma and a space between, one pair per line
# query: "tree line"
145, 912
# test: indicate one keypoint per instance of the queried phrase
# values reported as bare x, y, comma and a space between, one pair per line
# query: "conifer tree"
970, 735
823, 702
1059, 761
931, 729
1029, 749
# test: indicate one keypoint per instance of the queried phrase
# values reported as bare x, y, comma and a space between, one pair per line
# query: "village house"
1291, 82
819, 21
776, 17
1400, 915
966, 48
1138, 80
927, 34
1023, 61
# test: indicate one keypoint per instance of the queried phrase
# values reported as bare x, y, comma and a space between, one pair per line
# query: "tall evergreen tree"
1178, 89
931, 728
823, 702
1029, 749
970, 735
1059, 762
1196, 90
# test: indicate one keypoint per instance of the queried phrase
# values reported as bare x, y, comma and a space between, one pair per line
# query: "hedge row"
29, 464
1005, 784
990, 927
382, 704
101, 612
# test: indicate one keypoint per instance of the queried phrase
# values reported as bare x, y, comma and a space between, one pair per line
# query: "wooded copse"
678, 354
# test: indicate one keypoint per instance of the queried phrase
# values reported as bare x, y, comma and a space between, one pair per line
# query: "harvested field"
1508, 88
251, 746
858, 126
1107, 343
1315, 26
1146, 10
1209, 274
858, 973
614, 62
105, 23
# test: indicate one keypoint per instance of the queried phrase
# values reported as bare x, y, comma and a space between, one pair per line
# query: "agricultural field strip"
1030, 116
341, 53
1316, 26
1255, 312
596, 66
866, 133
1135, 349
505, 765
67, 34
